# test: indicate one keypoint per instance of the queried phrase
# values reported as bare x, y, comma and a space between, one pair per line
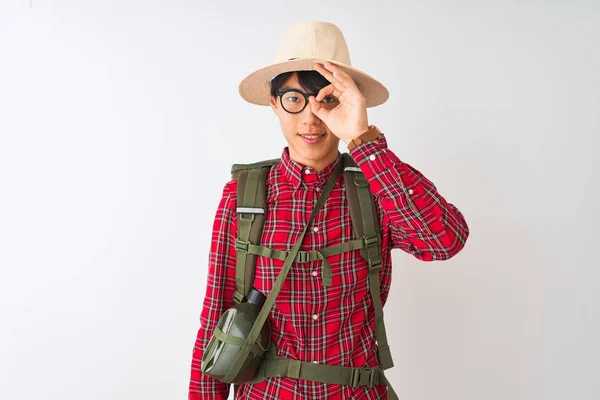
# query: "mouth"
311, 138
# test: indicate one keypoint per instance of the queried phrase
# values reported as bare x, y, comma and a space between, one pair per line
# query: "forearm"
420, 220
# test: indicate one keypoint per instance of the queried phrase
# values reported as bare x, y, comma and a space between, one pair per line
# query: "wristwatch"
368, 136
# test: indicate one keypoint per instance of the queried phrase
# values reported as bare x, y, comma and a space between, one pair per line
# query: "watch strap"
368, 136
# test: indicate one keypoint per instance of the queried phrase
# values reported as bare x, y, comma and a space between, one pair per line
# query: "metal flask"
236, 322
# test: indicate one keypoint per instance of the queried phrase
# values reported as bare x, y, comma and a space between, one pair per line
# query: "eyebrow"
283, 89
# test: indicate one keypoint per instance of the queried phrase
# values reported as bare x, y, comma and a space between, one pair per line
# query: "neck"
318, 165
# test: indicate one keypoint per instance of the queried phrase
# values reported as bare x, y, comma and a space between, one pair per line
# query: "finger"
317, 108
323, 71
329, 76
340, 75
328, 90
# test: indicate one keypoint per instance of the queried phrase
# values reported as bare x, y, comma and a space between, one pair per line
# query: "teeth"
312, 137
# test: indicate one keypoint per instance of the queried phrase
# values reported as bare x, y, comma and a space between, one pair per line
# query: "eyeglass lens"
294, 101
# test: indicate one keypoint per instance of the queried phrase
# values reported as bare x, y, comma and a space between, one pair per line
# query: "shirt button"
372, 157
315, 317
315, 229
315, 273
307, 171
410, 191
318, 189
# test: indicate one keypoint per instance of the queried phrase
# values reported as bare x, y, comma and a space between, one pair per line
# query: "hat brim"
256, 87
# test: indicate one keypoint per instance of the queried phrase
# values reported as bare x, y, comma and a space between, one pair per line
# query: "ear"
273, 102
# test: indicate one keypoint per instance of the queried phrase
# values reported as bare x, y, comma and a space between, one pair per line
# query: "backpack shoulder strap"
362, 206
251, 211
365, 222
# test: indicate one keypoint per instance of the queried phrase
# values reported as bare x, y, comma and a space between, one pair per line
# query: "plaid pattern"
333, 325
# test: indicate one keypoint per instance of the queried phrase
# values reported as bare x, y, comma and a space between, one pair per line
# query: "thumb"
317, 108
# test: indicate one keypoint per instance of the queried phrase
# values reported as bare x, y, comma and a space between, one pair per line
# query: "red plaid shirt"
333, 325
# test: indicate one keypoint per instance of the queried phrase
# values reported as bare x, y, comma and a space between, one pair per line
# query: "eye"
329, 99
292, 99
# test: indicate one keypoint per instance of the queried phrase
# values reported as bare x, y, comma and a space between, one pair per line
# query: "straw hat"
302, 45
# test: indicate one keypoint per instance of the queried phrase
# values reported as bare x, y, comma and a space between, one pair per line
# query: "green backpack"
251, 214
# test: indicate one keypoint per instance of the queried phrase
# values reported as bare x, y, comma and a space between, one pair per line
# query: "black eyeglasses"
294, 101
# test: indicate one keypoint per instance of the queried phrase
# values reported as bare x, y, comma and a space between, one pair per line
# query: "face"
316, 154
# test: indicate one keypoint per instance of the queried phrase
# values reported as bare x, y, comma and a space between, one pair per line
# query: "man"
319, 100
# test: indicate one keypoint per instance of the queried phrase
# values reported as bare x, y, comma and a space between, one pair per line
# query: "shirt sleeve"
419, 219
219, 294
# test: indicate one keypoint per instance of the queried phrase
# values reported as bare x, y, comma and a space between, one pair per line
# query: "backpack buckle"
375, 263
370, 241
241, 245
301, 256
363, 377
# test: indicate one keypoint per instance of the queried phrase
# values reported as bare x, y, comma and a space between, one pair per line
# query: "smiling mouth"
311, 136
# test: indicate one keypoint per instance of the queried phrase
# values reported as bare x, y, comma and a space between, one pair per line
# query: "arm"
420, 220
219, 295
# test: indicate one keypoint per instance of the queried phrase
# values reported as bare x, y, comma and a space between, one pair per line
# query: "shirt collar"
298, 173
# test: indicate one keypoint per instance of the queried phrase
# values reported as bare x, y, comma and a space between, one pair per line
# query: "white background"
119, 122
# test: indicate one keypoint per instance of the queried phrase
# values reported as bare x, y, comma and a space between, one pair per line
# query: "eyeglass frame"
305, 95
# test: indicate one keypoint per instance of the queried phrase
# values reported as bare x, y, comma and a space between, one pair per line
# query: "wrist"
370, 135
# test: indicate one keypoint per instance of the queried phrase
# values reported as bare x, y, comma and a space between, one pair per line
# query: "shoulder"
230, 189
230, 192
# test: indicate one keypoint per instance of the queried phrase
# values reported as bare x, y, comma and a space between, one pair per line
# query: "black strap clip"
375, 264
370, 241
363, 377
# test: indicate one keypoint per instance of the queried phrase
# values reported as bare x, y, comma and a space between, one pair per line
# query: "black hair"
311, 81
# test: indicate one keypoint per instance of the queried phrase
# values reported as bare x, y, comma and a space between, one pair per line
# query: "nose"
308, 117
